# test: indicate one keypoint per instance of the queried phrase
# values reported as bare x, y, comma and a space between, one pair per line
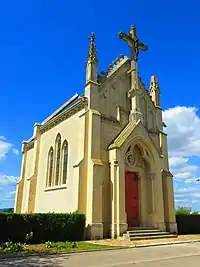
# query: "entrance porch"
135, 189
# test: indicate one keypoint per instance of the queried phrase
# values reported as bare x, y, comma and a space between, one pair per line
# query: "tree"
186, 211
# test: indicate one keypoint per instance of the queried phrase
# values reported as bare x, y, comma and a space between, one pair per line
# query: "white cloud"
15, 151
181, 195
183, 128
6, 147
6, 180
186, 190
179, 200
183, 175
177, 161
192, 180
197, 195
194, 201
10, 196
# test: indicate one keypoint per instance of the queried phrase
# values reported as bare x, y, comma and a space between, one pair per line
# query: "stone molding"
110, 120
29, 146
46, 127
63, 117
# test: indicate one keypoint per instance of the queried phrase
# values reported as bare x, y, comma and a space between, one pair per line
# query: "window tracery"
65, 162
133, 157
50, 168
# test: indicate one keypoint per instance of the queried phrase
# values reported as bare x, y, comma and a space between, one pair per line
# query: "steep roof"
66, 106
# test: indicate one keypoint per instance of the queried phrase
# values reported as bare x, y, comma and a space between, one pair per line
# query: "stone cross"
133, 42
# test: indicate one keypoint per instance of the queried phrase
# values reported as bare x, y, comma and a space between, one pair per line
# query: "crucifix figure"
133, 42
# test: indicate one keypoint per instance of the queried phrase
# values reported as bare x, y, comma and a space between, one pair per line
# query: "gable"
132, 131
114, 87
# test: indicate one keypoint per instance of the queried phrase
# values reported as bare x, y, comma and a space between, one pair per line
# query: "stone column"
158, 215
94, 225
20, 183
33, 181
134, 94
168, 199
151, 190
114, 172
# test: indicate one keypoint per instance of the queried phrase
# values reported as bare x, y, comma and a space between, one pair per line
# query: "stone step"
143, 231
141, 228
147, 234
152, 237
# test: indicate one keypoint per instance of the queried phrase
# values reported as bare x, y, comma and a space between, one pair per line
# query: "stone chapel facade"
103, 153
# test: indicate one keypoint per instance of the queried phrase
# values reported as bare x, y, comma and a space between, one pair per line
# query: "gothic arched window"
58, 150
65, 162
50, 168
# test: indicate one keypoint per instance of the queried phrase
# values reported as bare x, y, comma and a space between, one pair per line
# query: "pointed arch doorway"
138, 199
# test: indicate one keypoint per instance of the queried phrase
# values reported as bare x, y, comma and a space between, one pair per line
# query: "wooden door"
132, 199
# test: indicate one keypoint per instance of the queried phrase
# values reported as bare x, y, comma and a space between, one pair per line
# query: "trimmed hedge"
188, 224
45, 227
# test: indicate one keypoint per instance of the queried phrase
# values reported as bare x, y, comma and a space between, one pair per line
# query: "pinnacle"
154, 82
92, 53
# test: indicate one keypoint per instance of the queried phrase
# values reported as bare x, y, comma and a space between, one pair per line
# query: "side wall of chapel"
28, 173
62, 198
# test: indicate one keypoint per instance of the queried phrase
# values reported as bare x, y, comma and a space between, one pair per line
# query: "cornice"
167, 172
123, 135
110, 120
65, 115
29, 146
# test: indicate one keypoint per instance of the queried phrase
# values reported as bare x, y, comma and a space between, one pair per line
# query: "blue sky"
43, 48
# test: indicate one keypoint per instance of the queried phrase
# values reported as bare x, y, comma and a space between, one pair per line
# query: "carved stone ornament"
133, 158
134, 43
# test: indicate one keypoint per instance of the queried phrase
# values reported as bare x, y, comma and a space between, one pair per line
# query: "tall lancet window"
58, 150
50, 168
65, 162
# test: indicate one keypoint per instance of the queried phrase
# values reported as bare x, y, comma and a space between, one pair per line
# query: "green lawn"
56, 247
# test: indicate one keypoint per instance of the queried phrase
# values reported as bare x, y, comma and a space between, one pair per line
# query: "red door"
132, 200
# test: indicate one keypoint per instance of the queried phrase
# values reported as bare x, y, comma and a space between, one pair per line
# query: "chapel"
103, 153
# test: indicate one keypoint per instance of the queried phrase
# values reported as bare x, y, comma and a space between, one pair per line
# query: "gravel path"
116, 242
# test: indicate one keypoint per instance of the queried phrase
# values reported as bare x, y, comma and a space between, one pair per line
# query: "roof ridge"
60, 108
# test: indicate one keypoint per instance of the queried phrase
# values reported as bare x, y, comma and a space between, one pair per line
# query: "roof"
65, 107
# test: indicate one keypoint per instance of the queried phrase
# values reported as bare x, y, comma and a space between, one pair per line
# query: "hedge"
44, 226
188, 224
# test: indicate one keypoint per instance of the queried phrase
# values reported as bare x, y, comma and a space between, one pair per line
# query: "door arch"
137, 186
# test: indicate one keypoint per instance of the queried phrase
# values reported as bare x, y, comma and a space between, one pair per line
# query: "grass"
56, 247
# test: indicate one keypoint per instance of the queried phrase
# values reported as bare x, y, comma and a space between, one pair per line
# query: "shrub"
12, 247
183, 211
60, 245
186, 211
49, 244
188, 224
41, 227
29, 237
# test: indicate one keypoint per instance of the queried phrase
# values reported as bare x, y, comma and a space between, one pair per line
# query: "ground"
115, 242
182, 255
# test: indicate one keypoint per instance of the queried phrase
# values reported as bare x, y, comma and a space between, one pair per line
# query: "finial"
154, 82
92, 37
92, 49
133, 31
133, 27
